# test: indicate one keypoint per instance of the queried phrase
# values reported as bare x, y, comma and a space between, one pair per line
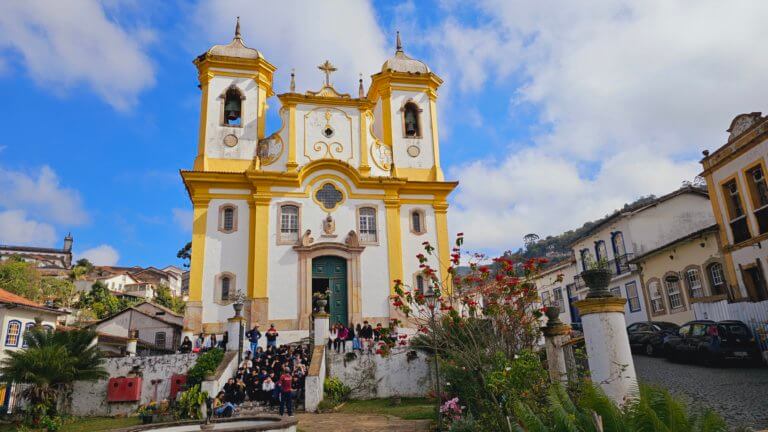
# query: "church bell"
232, 109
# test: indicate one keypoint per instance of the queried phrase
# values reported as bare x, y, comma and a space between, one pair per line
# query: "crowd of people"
359, 337
203, 342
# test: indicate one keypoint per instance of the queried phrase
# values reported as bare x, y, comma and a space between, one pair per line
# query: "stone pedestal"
555, 335
193, 317
322, 329
610, 358
131, 346
233, 329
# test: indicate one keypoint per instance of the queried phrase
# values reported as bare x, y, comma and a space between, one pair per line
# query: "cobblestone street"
739, 394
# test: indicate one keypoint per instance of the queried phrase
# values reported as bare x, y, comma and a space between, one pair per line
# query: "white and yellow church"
340, 198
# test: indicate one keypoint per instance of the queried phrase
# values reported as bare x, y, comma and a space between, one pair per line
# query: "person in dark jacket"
186, 346
253, 336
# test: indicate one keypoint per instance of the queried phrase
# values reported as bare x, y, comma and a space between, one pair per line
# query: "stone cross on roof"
328, 69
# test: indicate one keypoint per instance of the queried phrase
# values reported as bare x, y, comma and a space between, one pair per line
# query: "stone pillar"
131, 346
233, 329
555, 335
610, 358
322, 329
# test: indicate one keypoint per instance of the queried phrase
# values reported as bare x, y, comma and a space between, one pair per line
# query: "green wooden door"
334, 270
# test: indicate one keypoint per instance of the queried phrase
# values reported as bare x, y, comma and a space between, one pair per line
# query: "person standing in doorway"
272, 337
253, 336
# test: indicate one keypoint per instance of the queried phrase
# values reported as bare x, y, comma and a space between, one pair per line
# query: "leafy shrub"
206, 364
335, 390
188, 404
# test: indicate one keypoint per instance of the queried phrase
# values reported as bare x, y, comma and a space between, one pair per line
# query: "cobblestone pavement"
739, 394
337, 422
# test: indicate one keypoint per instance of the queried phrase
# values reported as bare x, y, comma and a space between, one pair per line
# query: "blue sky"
551, 114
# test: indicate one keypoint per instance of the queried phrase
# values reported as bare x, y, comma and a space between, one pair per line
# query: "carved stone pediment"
741, 123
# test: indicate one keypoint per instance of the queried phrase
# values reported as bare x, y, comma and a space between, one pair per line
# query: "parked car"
648, 337
712, 343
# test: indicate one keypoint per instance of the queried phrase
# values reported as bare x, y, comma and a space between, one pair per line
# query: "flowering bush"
477, 317
451, 409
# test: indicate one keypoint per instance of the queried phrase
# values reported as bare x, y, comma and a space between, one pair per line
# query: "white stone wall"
89, 398
246, 134
312, 145
372, 376
225, 252
412, 243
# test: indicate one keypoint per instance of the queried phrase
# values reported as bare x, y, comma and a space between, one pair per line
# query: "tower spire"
293, 81
399, 44
237, 29
360, 90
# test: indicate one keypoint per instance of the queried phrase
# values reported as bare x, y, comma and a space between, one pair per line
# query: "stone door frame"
349, 253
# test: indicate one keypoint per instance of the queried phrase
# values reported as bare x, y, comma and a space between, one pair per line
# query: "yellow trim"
742, 196
262, 113
291, 165
417, 174
386, 116
200, 161
443, 248
261, 246
297, 98
228, 165
759, 162
438, 172
394, 240
335, 186
600, 305
718, 211
196, 265
365, 169
251, 245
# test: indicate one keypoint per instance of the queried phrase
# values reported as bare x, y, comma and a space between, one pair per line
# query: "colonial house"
134, 281
682, 272
17, 315
48, 261
557, 288
628, 233
151, 324
735, 175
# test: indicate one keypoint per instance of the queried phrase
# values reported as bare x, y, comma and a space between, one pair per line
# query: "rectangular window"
545, 298
558, 297
368, 225
633, 298
289, 223
758, 191
160, 339
673, 292
657, 303
12, 335
694, 283
738, 221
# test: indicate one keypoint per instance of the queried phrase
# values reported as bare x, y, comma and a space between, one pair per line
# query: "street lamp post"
432, 301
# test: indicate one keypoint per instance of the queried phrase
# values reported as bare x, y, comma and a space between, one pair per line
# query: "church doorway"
329, 273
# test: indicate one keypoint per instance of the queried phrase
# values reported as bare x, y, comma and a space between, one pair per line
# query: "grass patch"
409, 408
88, 424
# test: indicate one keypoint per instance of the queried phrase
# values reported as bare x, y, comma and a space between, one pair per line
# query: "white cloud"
301, 35
41, 194
16, 228
628, 93
64, 44
183, 219
104, 255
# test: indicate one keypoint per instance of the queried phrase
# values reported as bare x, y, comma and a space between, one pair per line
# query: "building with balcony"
557, 288
735, 175
617, 239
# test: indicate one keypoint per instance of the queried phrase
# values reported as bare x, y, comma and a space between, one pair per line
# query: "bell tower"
405, 92
235, 81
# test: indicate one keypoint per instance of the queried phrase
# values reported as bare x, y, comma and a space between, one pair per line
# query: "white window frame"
285, 231
367, 224
676, 296
657, 300
695, 285
633, 301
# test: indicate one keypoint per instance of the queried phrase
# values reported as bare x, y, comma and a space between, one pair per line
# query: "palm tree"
52, 361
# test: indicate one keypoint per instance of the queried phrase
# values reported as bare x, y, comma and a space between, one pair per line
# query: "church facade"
339, 199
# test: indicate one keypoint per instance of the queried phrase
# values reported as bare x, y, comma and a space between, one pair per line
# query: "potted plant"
239, 299
147, 412
597, 276
321, 300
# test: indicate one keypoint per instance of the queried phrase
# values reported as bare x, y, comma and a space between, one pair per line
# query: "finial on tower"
360, 90
293, 81
399, 44
237, 29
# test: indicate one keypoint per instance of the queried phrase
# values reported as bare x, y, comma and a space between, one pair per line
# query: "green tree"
101, 302
51, 363
20, 278
81, 268
60, 291
185, 254
164, 297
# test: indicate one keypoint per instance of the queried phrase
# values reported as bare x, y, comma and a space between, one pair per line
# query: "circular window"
328, 196
413, 151
327, 131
